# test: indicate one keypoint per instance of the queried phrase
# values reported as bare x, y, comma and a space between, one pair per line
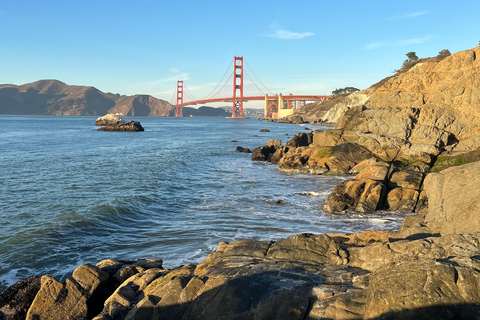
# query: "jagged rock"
16, 299
300, 140
354, 195
266, 152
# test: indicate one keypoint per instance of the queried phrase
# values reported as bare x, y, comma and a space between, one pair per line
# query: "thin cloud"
398, 43
279, 33
411, 15
408, 42
374, 45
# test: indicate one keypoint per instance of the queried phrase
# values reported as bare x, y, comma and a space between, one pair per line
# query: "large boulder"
112, 122
355, 195
454, 199
131, 126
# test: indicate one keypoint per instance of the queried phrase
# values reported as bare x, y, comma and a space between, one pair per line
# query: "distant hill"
204, 112
53, 97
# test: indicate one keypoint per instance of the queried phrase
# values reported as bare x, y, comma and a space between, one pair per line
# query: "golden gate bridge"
276, 106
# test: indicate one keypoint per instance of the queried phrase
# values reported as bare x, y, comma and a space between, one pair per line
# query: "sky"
299, 47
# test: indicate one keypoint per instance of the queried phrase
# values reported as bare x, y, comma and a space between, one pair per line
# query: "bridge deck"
255, 98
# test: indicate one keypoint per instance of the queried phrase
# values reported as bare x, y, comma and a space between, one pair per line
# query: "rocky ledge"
371, 275
112, 122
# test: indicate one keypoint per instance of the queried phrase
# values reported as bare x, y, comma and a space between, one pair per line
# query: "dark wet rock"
264, 130
242, 149
300, 140
131, 126
16, 300
266, 152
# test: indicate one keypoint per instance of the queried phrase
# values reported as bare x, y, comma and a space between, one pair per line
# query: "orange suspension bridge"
276, 105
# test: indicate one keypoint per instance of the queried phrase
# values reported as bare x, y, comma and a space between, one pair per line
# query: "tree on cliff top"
344, 90
409, 63
443, 54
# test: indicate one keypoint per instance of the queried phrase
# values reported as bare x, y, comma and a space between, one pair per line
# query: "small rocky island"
112, 122
411, 144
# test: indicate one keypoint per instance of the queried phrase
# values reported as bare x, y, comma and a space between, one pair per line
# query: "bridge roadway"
255, 98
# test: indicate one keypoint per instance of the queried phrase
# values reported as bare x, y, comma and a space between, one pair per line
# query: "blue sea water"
70, 194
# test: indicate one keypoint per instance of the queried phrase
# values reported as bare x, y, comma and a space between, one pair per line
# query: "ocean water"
70, 194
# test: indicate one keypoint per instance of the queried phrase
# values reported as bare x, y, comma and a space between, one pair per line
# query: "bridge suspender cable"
228, 69
258, 79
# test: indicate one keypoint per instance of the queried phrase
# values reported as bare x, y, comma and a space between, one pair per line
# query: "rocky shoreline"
410, 144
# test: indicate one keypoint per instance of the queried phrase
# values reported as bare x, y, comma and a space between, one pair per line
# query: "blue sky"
302, 47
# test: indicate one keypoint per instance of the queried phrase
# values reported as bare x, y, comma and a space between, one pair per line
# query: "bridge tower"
179, 109
237, 87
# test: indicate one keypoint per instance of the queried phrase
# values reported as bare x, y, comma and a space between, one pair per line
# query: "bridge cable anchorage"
259, 79
208, 95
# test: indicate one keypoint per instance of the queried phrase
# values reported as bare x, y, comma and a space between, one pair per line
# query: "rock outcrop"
301, 277
112, 122
419, 120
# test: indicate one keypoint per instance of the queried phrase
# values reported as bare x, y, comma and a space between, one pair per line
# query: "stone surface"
57, 300
454, 199
90, 277
402, 200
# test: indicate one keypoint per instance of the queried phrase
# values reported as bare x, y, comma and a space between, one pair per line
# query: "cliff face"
52, 97
435, 103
